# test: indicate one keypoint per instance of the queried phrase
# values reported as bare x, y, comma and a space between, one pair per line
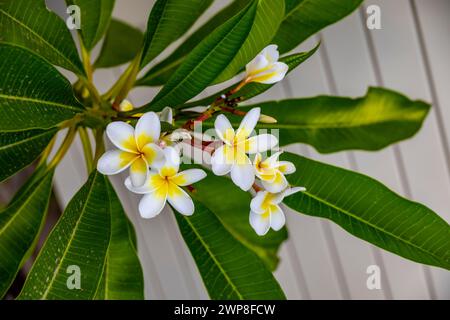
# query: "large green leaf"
306, 17
33, 94
370, 211
332, 124
253, 89
168, 21
122, 43
233, 211
229, 270
19, 149
30, 24
20, 225
122, 276
160, 74
269, 15
205, 62
95, 17
80, 238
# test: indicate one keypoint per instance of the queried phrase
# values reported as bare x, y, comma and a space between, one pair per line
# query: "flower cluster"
154, 162
153, 165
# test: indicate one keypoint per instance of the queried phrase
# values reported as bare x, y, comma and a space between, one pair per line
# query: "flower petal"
277, 185
188, 177
260, 222
243, 174
152, 204
154, 155
121, 135
277, 219
286, 167
115, 161
180, 200
290, 191
260, 143
258, 64
248, 124
223, 128
219, 163
154, 181
148, 129
271, 75
271, 53
256, 205
138, 172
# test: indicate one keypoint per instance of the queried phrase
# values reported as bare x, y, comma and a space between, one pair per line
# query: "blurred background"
410, 54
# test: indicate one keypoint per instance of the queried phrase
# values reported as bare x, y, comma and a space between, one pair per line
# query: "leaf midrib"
55, 273
34, 100
351, 215
17, 143
41, 38
227, 278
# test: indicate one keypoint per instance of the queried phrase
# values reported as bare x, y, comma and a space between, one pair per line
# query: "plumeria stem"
46, 152
63, 148
240, 86
88, 80
128, 82
99, 145
87, 148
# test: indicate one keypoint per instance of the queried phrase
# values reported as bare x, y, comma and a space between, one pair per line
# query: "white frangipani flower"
166, 115
164, 185
265, 68
232, 155
271, 172
265, 210
137, 148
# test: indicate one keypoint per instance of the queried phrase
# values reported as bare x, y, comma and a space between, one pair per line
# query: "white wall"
321, 261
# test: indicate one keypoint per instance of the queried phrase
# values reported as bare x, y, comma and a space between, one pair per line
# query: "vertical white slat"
420, 171
345, 42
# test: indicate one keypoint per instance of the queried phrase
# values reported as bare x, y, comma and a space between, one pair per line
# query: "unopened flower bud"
126, 105
267, 119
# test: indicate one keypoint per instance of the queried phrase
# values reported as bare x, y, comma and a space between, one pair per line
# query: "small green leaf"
80, 239
233, 211
370, 211
95, 17
20, 225
122, 277
30, 24
269, 14
254, 89
19, 149
122, 43
304, 18
229, 270
169, 20
205, 62
33, 94
161, 73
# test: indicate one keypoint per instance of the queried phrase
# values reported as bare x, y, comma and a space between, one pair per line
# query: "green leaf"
122, 43
205, 62
161, 73
95, 18
269, 14
233, 211
122, 276
306, 17
370, 211
30, 24
332, 124
19, 149
229, 270
169, 20
254, 89
20, 225
80, 238
33, 94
